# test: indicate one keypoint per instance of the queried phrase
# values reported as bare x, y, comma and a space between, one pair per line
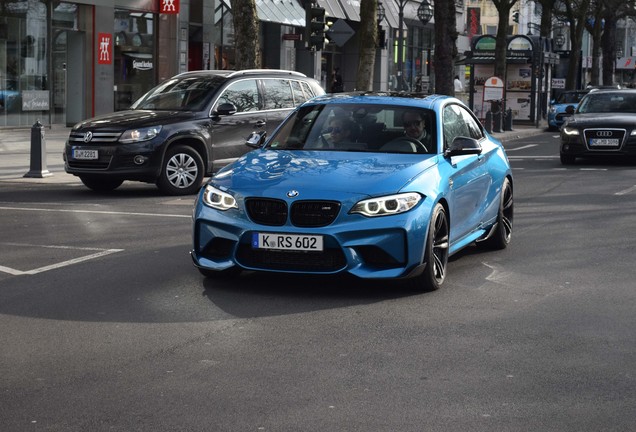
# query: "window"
278, 94
243, 94
458, 122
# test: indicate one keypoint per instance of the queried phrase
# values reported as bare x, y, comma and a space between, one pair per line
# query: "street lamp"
381, 12
424, 13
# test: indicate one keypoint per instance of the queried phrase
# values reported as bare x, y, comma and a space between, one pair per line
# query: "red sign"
104, 48
169, 6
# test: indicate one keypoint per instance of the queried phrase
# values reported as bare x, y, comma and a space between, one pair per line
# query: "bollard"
508, 120
488, 121
496, 120
38, 153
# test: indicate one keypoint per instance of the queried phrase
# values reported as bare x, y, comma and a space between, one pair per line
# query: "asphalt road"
106, 325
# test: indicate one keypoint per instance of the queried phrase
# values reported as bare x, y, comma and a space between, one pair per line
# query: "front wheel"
182, 172
101, 183
436, 252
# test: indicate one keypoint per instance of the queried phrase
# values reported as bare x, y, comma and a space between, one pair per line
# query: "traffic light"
314, 26
515, 16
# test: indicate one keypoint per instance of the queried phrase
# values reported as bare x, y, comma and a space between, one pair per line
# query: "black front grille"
314, 213
100, 164
604, 139
328, 260
267, 211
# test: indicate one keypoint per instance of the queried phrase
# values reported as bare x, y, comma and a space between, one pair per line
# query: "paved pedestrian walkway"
16, 157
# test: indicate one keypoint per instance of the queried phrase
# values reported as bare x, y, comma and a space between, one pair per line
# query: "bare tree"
445, 46
368, 38
246, 41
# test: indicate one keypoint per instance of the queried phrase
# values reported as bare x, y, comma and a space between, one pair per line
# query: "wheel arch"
195, 143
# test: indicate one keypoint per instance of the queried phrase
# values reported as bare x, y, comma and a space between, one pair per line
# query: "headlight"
633, 133
137, 135
218, 199
569, 131
387, 205
552, 109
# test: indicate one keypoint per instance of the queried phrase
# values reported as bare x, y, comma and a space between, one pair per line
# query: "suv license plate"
604, 142
85, 154
291, 242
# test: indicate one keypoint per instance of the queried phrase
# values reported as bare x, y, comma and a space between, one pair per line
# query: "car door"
278, 101
469, 180
229, 132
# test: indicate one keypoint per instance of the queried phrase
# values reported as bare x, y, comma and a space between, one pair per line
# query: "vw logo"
88, 136
292, 193
604, 134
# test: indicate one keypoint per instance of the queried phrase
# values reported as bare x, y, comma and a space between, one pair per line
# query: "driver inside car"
415, 127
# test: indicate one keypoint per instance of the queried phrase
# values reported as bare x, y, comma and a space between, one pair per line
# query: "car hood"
607, 120
134, 118
358, 173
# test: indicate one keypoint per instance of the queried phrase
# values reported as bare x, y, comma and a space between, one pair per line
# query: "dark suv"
184, 129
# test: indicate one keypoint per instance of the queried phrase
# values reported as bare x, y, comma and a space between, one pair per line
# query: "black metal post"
38, 153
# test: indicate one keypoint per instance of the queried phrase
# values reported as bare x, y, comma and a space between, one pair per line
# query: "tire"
435, 254
101, 183
567, 159
182, 172
503, 232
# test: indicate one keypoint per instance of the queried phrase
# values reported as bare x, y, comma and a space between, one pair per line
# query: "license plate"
85, 154
604, 142
291, 242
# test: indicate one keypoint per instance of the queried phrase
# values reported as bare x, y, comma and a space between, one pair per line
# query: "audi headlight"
141, 134
570, 131
218, 199
387, 205
633, 133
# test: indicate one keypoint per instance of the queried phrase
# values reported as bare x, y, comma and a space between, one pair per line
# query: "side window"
277, 94
243, 94
458, 122
300, 96
473, 127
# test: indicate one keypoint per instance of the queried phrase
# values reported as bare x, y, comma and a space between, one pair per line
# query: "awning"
333, 9
352, 9
287, 12
391, 13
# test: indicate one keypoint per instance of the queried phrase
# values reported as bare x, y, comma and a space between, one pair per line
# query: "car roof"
246, 72
418, 100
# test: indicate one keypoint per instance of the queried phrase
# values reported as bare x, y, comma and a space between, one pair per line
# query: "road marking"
533, 157
522, 148
96, 212
626, 191
98, 254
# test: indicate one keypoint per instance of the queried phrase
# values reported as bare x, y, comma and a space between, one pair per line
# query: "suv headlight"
387, 205
138, 135
218, 199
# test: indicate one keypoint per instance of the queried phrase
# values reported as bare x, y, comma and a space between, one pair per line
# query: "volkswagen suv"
184, 129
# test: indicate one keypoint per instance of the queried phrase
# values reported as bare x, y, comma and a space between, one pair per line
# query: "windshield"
570, 97
605, 102
180, 94
357, 127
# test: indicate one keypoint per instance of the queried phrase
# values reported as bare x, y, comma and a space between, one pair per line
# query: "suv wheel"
182, 171
101, 183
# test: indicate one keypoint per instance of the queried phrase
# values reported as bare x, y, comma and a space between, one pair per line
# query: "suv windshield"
180, 94
570, 97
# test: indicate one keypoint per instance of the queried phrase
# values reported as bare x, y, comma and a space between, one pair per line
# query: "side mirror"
226, 109
463, 146
256, 139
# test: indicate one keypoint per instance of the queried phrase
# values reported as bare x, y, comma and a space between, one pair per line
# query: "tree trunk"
445, 46
368, 38
246, 40
608, 42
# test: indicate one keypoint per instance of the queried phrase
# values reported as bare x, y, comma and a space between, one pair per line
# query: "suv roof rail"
271, 71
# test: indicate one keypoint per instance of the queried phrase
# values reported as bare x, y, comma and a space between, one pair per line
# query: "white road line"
521, 148
96, 212
15, 272
626, 191
533, 157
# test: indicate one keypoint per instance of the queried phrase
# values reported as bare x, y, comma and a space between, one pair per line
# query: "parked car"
564, 106
379, 204
604, 124
184, 129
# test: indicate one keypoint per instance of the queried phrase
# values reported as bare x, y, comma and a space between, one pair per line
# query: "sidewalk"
15, 152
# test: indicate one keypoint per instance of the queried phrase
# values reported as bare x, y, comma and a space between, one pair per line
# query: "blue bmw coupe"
377, 185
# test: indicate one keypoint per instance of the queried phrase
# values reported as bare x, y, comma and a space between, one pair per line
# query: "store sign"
169, 7
105, 48
142, 64
35, 100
